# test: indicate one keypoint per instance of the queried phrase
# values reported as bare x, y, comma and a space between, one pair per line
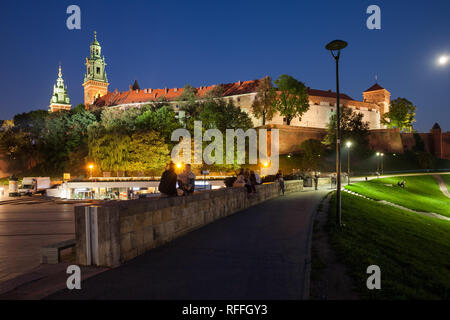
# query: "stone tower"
95, 80
60, 100
380, 96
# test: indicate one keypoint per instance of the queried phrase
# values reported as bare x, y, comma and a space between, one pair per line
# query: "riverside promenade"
261, 252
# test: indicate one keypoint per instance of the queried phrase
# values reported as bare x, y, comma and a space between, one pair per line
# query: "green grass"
421, 193
412, 251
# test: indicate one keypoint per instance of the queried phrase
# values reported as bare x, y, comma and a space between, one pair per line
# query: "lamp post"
382, 169
378, 163
91, 166
348, 144
335, 48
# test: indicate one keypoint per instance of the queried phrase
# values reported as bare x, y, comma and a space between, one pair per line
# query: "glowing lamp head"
378, 154
265, 164
179, 165
443, 60
348, 144
91, 166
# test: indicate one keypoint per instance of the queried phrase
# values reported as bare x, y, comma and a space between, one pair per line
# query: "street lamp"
382, 170
378, 163
335, 48
91, 166
348, 144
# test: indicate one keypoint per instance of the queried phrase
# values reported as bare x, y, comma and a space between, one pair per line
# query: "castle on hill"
376, 99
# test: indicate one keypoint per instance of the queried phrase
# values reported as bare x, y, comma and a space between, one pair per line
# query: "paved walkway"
442, 185
258, 253
25, 226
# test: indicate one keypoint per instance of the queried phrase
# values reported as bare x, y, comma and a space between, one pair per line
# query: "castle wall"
318, 115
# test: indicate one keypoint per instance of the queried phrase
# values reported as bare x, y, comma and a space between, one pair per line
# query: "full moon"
443, 60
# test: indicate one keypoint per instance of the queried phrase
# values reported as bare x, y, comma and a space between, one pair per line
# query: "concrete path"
258, 253
25, 226
442, 185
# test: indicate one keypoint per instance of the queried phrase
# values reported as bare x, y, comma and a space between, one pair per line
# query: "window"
98, 70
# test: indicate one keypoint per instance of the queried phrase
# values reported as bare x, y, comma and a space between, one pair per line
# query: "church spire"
60, 99
95, 80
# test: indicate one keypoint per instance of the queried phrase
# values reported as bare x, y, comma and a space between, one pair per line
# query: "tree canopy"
263, 105
401, 115
353, 128
293, 99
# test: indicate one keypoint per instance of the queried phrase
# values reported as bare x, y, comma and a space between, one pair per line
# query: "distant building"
60, 100
322, 103
95, 79
376, 99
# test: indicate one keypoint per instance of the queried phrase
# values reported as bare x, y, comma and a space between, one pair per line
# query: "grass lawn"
421, 193
412, 251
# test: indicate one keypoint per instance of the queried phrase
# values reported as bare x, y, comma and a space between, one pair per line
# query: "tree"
215, 93
353, 128
120, 119
401, 115
108, 148
189, 93
147, 152
292, 100
222, 115
313, 152
262, 106
162, 120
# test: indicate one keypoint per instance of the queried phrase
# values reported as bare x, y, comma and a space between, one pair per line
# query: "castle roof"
136, 95
375, 87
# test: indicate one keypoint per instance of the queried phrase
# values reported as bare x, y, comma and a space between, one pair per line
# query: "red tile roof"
328, 94
229, 89
375, 87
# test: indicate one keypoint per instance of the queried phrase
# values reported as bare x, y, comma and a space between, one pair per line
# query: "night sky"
172, 43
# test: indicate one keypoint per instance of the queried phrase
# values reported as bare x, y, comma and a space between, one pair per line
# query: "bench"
51, 254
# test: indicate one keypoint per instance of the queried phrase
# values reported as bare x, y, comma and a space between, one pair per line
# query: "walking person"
280, 179
316, 180
168, 183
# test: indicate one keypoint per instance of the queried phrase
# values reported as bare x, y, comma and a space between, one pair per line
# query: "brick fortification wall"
383, 140
127, 229
291, 137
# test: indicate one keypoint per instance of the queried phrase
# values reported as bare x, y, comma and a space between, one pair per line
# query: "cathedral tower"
60, 100
95, 80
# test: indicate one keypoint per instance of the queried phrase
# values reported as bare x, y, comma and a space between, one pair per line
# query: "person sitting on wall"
168, 183
257, 177
187, 180
240, 180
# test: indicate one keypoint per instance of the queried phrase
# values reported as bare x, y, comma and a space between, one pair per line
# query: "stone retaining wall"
127, 229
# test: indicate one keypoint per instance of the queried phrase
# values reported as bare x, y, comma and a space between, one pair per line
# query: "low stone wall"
127, 229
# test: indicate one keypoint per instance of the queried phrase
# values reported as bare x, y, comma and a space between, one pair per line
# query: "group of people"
186, 181
248, 179
170, 179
